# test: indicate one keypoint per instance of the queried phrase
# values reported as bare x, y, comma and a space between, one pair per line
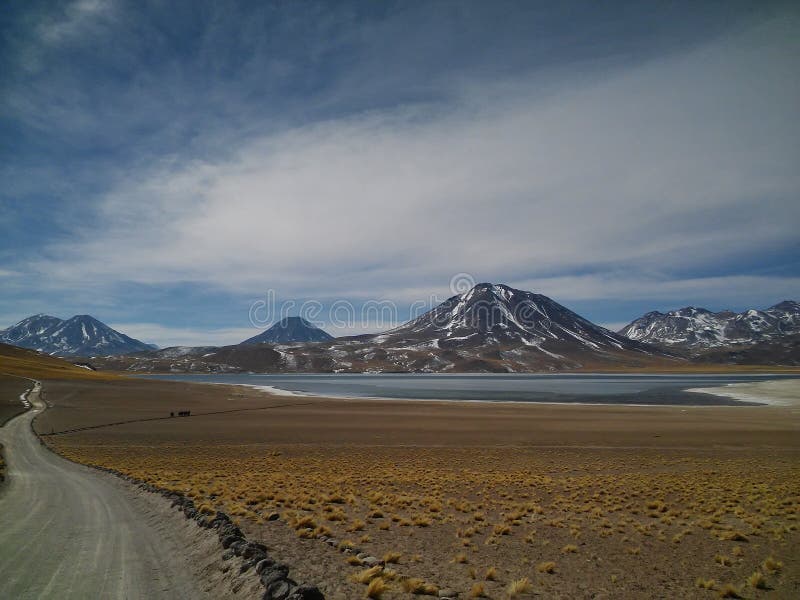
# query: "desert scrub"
729, 591
771, 565
375, 588
420, 587
546, 567
705, 584
477, 591
368, 575
757, 581
470, 496
520, 586
392, 557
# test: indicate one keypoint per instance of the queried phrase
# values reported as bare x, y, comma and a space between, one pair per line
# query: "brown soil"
628, 502
11, 388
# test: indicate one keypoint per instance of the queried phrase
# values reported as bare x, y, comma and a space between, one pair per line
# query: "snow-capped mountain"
497, 315
290, 329
28, 329
491, 328
698, 329
81, 335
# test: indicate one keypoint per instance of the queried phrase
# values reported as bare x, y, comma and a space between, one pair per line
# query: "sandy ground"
72, 532
627, 502
776, 393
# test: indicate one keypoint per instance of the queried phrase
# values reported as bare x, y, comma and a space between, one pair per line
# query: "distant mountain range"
490, 328
81, 335
697, 330
290, 329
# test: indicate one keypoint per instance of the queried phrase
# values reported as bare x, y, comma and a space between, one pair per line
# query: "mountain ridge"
696, 329
80, 335
490, 328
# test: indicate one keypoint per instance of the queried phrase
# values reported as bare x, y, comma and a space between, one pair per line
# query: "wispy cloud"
660, 167
154, 154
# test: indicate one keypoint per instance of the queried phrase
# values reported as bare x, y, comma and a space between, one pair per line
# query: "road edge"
249, 556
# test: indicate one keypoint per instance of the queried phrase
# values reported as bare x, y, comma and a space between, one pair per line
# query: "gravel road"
67, 531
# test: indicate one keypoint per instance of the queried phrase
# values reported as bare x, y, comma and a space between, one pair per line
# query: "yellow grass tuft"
392, 557
569, 548
375, 588
771, 565
520, 586
491, 574
705, 584
546, 567
477, 591
757, 580
414, 585
368, 575
729, 591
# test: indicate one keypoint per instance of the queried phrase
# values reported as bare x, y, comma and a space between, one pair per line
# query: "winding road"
67, 531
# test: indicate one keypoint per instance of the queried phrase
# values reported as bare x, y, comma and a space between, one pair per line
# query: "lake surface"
568, 388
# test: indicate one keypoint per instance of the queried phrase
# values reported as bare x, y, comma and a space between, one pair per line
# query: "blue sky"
165, 164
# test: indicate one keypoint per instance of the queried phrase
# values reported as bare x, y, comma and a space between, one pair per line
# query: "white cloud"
686, 162
738, 290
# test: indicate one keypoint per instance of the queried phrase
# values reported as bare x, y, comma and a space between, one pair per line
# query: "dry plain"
489, 500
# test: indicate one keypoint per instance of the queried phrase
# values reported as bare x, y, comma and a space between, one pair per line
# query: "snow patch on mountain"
699, 329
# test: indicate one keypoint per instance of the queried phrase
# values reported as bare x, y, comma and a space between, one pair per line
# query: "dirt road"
67, 531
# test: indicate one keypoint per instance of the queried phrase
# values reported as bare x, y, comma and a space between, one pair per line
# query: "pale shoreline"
781, 392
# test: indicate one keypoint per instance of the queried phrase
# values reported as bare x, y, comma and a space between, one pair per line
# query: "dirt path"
67, 531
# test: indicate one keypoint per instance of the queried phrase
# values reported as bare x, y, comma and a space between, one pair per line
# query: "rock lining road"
67, 531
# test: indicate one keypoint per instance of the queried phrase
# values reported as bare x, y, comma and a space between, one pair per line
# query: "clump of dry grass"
376, 588
419, 587
733, 536
771, 565
757, 581
501, 530
368, 575
729, 591
723, 560
546, 567
520, 586
491, 574
392, 557
569, 548
477, 591
705, 584
356, 525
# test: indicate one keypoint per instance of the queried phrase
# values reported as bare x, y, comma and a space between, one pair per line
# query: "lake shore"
785, 392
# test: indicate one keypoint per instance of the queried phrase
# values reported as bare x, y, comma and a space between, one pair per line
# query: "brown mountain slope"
29, 363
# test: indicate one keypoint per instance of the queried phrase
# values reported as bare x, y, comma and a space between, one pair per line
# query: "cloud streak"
660, 167
165, 160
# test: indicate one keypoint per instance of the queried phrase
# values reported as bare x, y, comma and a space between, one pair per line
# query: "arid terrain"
11, 388
488, 500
